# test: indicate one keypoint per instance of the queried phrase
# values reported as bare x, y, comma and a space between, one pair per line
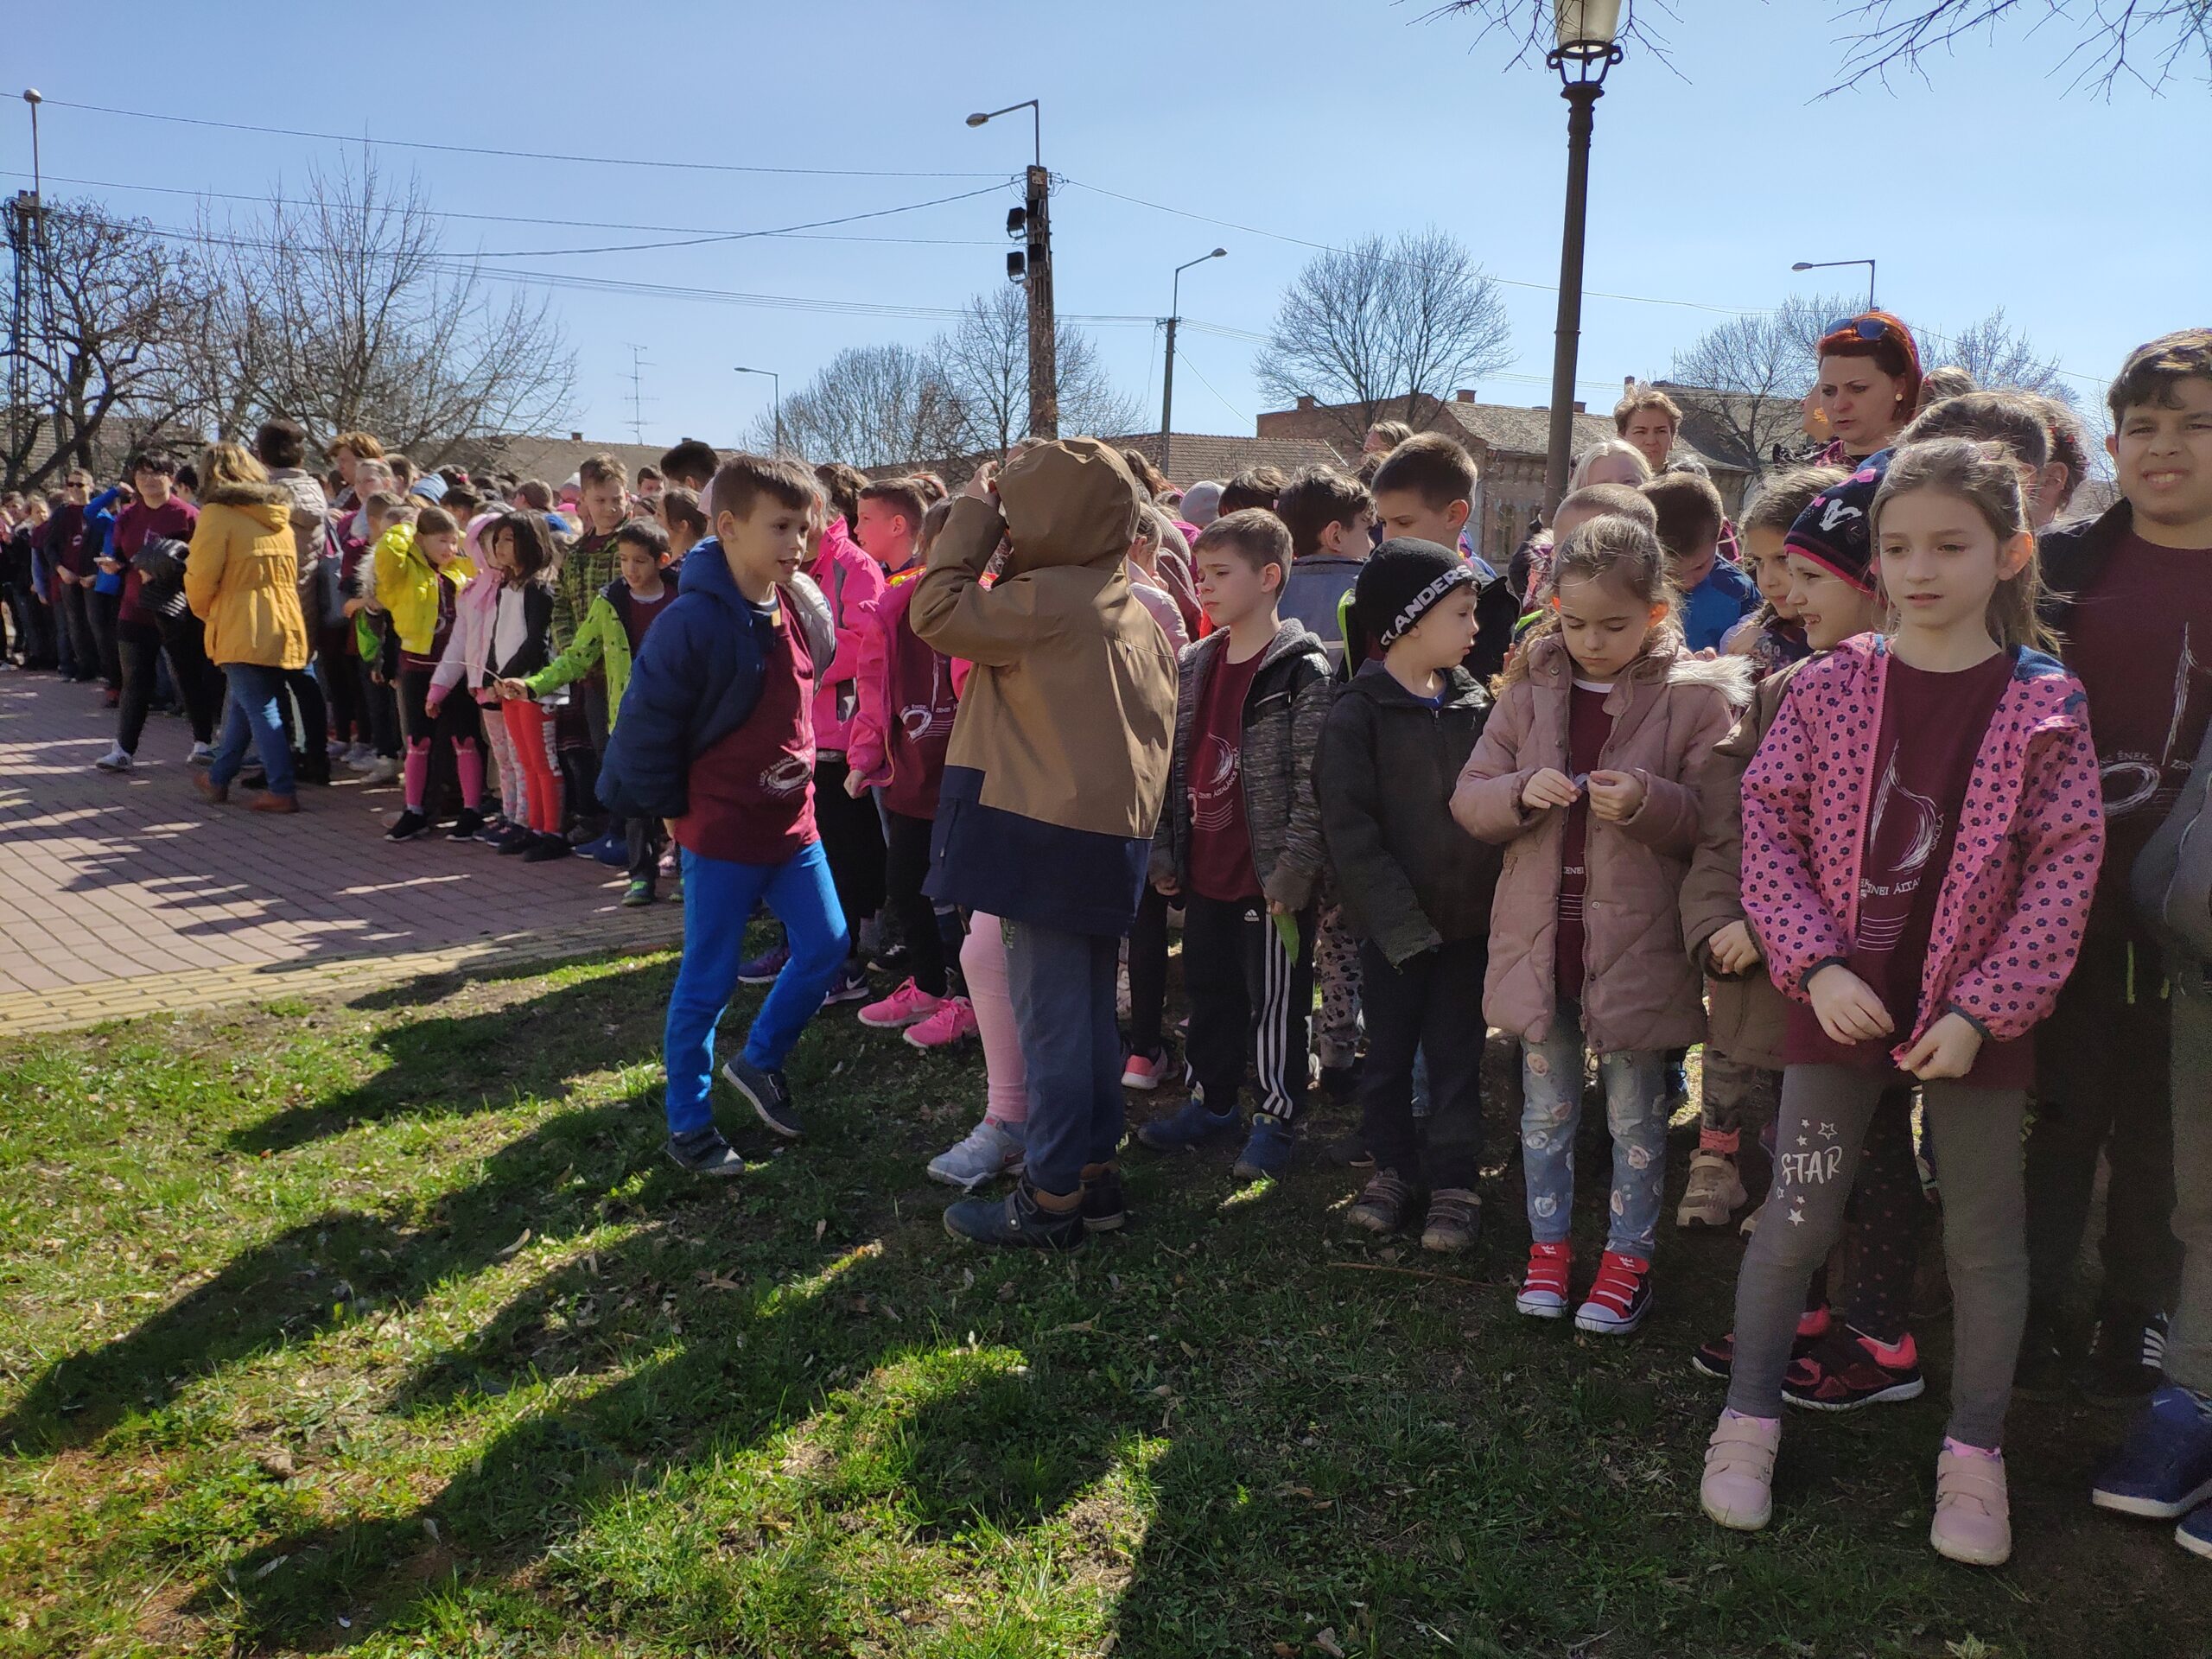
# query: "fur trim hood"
1732, 677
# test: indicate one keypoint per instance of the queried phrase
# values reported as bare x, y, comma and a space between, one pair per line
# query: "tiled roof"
1510, 430
555, 459
1195, 455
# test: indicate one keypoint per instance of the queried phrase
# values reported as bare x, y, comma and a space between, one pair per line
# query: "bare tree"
1742, 384
2102, 40
2002, 359
114, 297
871, 405
341, 310
984, 363
1407, 318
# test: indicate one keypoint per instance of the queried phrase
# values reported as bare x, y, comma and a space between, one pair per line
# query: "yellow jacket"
242, 578
407, 586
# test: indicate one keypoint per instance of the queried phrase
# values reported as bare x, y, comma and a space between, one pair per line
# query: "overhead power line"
511, 155
707, 231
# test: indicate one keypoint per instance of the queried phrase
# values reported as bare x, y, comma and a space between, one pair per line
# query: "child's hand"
353, 607
430, 707
1615, 795
1732, 950
1946, 1050
1846, 1007
1165, 886
376, 677
1549, 787
855, 785
513, 690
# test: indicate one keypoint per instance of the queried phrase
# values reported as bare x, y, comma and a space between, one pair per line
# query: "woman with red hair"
1869, 385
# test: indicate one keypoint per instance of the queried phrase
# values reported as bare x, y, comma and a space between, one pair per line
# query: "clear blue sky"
1991, 184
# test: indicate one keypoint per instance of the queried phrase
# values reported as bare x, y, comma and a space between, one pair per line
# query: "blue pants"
256, 715
719, 897
1636, 1112
1062, 985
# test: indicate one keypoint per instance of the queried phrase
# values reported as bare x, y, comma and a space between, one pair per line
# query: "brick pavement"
128, 894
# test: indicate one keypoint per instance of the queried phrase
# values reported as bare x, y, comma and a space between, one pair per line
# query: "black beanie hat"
1836, 529
1401, 581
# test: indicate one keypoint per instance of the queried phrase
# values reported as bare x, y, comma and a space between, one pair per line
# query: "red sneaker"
1543, 1288
1619, 1297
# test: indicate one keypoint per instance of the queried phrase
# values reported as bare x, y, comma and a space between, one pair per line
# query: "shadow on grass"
452, 1064
325, 1270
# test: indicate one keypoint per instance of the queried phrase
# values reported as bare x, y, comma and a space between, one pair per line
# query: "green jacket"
602, 642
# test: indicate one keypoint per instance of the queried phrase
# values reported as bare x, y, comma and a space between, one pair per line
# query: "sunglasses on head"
1865, 328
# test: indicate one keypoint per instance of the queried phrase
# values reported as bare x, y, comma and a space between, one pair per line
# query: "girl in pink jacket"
1922, 827
1582, 773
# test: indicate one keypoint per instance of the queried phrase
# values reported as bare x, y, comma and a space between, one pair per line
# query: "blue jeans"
719, 897
256, 714
1636, 1112
1063, 985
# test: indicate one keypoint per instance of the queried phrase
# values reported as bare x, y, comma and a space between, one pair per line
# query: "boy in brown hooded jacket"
1052, 784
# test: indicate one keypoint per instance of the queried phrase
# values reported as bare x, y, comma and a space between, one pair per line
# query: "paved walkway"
122, 895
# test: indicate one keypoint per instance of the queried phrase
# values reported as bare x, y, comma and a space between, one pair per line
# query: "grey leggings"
1976, 1133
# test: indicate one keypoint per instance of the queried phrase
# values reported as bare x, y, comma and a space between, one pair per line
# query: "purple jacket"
2032, 834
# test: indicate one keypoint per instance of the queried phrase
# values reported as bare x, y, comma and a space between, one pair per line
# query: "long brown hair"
537, 555
1987, 476
1610, 547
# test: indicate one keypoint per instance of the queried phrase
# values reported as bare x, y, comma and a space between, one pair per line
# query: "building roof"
1199, 455
554, 459
1513, 430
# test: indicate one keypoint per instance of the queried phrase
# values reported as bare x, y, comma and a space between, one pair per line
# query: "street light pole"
1585, 50
1830, 264
1044, 366
776, 391
1167, 374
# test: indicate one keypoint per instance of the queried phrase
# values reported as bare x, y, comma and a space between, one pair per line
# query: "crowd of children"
1881, 795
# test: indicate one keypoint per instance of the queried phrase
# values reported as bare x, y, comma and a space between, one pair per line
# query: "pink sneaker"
1737, 1490
1142, 1072
904, 1006
1974, 1518
955, 1019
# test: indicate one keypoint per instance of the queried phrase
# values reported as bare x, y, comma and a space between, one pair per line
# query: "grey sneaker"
770, 1094
703, 1152
990, 1150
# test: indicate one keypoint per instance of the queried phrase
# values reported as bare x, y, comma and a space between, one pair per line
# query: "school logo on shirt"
1882, 933
788, 776
2133, 782
1213, 779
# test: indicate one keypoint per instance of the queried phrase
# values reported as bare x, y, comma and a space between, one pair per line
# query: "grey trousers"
2188, 1349
1818, 1133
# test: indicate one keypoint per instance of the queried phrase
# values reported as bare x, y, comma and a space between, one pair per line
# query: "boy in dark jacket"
716, 733
1416, 889
2130, 601
1241, 842
1052, 786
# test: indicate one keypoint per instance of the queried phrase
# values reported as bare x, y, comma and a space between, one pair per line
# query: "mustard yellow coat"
242, 577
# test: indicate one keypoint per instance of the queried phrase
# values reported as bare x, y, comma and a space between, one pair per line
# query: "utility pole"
1035, 270
1044, 360
26, 249
637, 394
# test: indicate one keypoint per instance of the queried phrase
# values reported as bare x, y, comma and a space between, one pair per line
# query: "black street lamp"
1167, 374
1830, 264
1586, 31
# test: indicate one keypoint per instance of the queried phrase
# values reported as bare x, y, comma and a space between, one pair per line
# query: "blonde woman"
242, 580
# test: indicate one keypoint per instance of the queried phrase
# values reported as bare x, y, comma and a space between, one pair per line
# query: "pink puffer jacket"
1640, 990
854, 583
2031, 834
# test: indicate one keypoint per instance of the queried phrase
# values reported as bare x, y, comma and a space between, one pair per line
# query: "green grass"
384, 1326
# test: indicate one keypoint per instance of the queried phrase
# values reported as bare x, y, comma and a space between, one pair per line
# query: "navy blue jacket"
695, 681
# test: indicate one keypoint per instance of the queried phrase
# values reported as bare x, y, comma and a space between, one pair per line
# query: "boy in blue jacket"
717, 736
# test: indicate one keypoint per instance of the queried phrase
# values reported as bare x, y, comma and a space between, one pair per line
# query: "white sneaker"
385, 770
991, 1149
360, 757
337, 751
114, 760
1714, 1194
203, 754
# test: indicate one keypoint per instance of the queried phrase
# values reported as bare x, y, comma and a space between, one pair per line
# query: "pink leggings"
1006, 1080
530, 729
